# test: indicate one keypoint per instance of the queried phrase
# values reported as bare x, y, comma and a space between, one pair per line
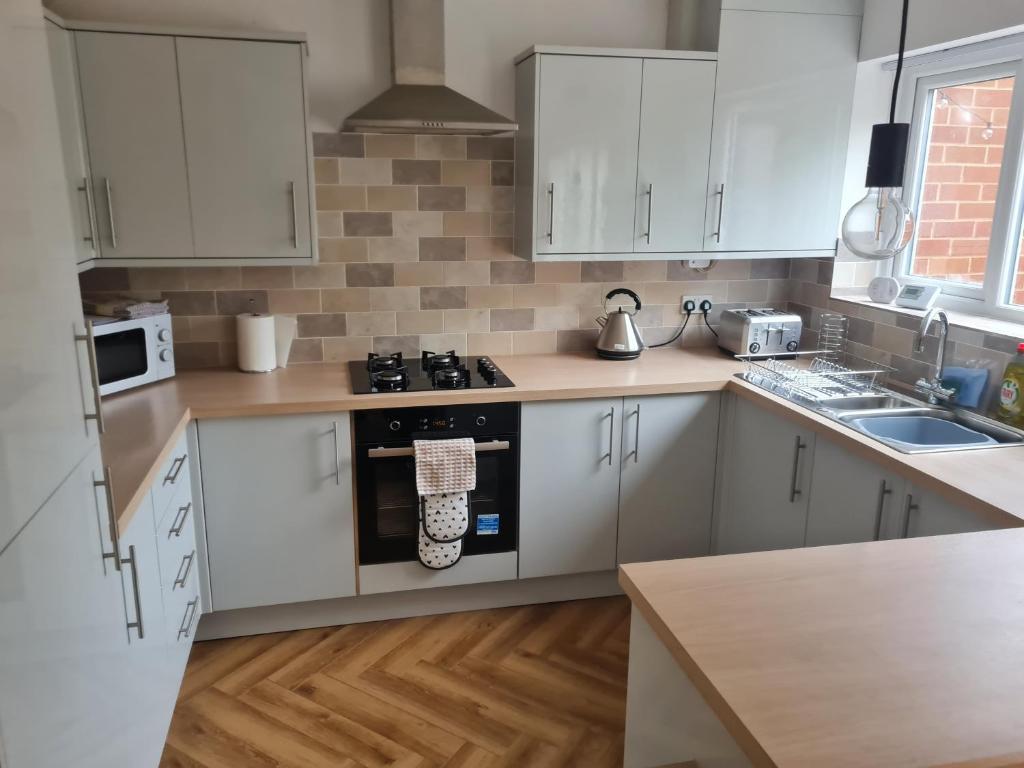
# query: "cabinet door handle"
635, 453
89, 211
337, 455
110, 213
186, 565
551, 213
186, 621
134, 570
883, 491
295, 216
179, 521
175, 470
793, 490
94, 376
611, 434
650, 207
720, 194
910, 507
108, 493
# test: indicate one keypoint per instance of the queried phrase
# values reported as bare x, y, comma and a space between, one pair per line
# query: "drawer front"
176, 541
182, 609
173, 475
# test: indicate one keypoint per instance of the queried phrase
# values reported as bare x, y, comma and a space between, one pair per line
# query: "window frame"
976, 63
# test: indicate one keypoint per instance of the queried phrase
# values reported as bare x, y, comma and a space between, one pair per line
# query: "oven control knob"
166, 355
481, 420
395, 425
791, 346
164, 334
754, 348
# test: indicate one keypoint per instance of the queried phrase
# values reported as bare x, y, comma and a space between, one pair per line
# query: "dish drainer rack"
821, 379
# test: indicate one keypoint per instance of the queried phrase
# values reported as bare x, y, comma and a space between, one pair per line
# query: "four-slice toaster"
759, 332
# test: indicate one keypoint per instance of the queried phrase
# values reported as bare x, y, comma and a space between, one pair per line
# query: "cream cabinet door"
587, 132
783, 100
675, 141
136, 151
926, 513
244, 114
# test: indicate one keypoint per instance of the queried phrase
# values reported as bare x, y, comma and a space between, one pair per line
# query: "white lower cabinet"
927, 514
666, 493
852, 500
277, 499
764, 480
569, 486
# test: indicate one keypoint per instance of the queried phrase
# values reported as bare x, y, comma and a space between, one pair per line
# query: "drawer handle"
94, 375
86, 187
134, 570
176, 465
911, 507
391, 453
611, 434
720, 194
108, 493
186, 566
793, 490
883, 491
179, 520
191, 610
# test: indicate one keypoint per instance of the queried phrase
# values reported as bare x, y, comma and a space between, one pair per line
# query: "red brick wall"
961, 179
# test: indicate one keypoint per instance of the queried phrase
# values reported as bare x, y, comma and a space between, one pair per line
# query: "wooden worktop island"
895, 653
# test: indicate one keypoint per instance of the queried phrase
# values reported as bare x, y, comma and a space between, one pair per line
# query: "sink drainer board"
814, 377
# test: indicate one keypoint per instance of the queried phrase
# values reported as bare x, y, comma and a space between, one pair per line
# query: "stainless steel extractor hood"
419, 101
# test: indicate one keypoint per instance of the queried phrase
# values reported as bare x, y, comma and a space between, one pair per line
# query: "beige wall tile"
391, 198
325, 170
442, 249
442, 342
321, 325
267, 277
490, 249
370, 275
512, 320
393, 249
367, 224
306, 351
181, 329
534, 342
345, 299
490, 343
465, 173
158, 278
491, 147
212, 328
453, 297
431, 147
371, 323
601, 271
442, 198
213, 278
336, 144
502, 224
467, 320
511, 272
557, 272
747, 290
320, 276
545, 295
395, 298
467, 273
390, 145
489, 199
342, 249
335, 197
192, 302
556, 318
465, 223
416, 172
417, 223
349, 348
362, 170
430, 321
294, 301
480, 296
575, 294
419, 273
644, 271
328, 223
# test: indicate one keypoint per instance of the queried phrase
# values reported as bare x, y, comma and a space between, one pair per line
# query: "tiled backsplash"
415, 239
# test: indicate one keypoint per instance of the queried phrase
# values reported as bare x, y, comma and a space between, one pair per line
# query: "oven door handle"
388, 453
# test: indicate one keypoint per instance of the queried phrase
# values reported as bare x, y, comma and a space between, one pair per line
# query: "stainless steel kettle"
619, 338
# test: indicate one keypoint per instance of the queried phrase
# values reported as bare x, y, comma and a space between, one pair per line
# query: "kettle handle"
622, 292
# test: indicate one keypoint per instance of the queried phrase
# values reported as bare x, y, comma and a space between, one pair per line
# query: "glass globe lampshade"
879, 226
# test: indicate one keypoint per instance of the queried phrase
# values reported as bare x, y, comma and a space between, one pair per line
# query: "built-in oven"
385, 470
130, 353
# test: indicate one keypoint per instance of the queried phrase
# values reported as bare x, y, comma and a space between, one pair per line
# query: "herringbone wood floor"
540, 685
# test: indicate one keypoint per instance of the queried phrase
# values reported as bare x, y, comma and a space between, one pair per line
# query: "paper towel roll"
257, 347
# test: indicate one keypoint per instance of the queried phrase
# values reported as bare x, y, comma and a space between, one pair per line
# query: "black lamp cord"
899, 62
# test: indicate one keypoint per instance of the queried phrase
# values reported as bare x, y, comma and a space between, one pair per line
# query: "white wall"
932, 23
349, 40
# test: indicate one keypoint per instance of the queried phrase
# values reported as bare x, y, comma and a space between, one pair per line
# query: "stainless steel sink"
880, 401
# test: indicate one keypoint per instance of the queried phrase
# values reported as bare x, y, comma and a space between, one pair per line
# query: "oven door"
388, 504
124, 354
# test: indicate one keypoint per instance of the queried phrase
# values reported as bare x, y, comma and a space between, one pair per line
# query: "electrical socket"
696, 302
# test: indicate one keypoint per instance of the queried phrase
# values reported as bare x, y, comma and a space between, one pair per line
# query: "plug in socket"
696, 302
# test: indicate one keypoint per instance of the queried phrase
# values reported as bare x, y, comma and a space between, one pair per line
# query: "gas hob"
431, 372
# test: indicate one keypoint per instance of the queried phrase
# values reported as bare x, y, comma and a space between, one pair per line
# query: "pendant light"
880, 225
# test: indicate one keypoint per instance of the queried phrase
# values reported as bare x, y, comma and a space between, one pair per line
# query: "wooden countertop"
142, 424
893, 653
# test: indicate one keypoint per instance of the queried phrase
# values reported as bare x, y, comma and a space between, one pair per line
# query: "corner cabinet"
198, 149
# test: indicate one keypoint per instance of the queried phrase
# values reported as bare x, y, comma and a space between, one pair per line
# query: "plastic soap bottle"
1010, 409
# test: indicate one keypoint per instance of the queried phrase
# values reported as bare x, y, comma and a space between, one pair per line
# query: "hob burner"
375, 363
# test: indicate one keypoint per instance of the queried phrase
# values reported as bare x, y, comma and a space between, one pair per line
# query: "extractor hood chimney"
419, 101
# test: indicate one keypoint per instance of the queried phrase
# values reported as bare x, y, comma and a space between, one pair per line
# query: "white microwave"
130, 353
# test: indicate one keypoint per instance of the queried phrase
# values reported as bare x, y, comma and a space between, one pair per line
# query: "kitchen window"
964, 178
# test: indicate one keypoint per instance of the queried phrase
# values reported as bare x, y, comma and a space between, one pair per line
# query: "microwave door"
122, 359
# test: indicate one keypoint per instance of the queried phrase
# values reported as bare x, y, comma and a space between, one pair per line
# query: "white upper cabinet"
136, 151
675, 138
783, 100
243, 106
72, 140
586, 153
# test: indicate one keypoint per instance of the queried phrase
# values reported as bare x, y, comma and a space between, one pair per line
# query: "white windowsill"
957, 319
